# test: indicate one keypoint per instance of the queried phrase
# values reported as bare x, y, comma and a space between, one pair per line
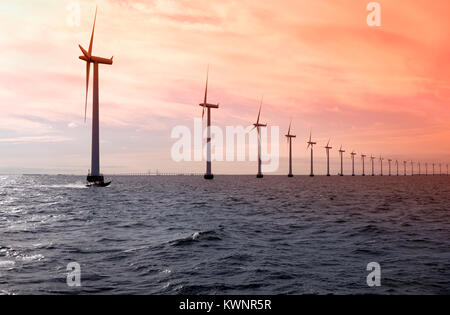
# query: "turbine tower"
205, 104
381, 164
341, 153
404, 167
311, 144
373, 168
426, 169
94, 176
289, 139
363, 157
328, 148
412, 168
396, 163
420, 168
258, 126
390, 161
353, 162
433, 169
440, 169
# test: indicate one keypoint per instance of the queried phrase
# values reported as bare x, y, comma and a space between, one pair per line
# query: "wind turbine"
205, 104
440, 169
433, 169
328, 148
353, 162
257, 125
341, 152
412, 168
381, 164
396, 163
404, 166
289, 139
373, 168
390, 161
311, 144
426, 169
420, 168
94, 176
363, 156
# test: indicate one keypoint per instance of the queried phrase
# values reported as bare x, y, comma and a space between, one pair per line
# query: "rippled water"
233, 235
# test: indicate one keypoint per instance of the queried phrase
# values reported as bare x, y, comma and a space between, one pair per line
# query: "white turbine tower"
381, 165
328, 148
257, 125
205, 104
94, 177
363, 157
390, 161
311, 144
289, 139
353, 162
341, 153
373, 166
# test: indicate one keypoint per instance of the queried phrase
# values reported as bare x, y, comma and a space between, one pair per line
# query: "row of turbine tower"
208, 175
363, 160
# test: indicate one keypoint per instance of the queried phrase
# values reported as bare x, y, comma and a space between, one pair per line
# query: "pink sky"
378, 90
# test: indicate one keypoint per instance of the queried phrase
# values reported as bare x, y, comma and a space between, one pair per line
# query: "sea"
183, 235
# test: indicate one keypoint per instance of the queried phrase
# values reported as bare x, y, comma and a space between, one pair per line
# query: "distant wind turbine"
205, 104
94, 176
373, 166
381, 165
420, 168
412, 168
311, 144
353, 162
390, 161
328, 148
341, 153
363, 157
433, 169
404, 166
426, 169
258, 126
396, 163
289, 139
440, 169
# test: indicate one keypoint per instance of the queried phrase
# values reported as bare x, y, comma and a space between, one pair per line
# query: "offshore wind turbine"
341, 153
328, 148
440, 169
426, 169
390, 161
404, 167
353, 162
205, 104
420, 168
433, 169
311, 144
289, 139
373, 166
363, 157
258, 125
381, 164
94, 176
396, 163
412, 168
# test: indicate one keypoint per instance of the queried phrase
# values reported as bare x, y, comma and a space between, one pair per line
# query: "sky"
376, 90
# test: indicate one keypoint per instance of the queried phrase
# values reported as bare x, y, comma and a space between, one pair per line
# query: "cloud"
35, 139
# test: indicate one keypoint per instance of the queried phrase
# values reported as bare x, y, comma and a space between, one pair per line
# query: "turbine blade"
328, 144
259, 113
289, 130
206, 87
92, 36
85, 53
203, 112
88, 68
